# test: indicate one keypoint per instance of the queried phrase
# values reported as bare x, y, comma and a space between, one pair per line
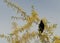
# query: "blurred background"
45, 8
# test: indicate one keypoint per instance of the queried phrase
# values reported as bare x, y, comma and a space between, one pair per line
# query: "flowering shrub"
16, 37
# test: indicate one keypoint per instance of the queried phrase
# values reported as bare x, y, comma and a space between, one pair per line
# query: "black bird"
41, 26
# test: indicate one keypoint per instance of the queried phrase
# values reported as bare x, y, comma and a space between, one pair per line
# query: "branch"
19, 9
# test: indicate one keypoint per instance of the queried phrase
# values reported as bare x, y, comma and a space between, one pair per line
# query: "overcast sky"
45, 8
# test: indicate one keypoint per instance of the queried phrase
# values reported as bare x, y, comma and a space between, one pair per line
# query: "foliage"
15, 37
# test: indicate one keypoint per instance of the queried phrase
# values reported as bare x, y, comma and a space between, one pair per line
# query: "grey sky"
45, 8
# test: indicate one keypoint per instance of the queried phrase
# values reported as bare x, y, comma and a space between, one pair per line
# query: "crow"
41, 27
